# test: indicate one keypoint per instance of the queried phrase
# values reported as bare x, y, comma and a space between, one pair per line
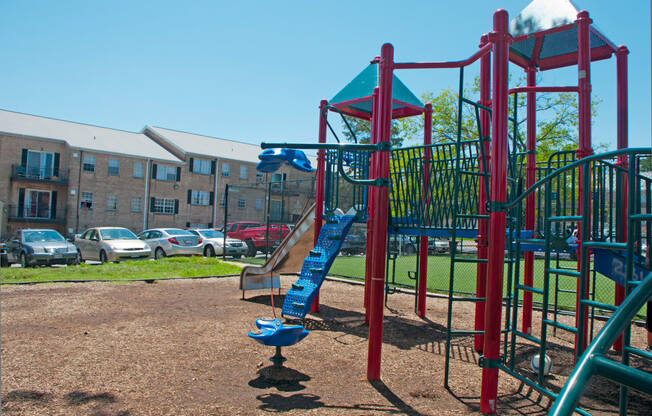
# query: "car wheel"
78, 259
103, 257
4, 262
23, 260
251, 250
159, 253
209, 251
237, 256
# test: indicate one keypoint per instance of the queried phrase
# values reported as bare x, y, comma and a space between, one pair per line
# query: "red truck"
256, 235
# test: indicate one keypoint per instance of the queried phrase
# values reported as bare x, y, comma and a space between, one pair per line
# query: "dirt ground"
181, 348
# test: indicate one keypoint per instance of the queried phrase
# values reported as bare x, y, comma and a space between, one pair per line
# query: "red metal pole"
483, 224
498, 191
319, 194
370, 205
423, 244
530, 178
583, 150
381, 205
622, 143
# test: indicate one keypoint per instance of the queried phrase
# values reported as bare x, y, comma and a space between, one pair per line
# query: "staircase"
315, 267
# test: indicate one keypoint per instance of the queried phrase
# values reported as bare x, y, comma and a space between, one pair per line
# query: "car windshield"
42, 236
173, 231
117, 234
211, 234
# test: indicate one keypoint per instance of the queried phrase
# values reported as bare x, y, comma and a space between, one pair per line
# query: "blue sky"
256, 71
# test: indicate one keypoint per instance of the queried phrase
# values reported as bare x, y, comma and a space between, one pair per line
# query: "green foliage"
362, 130
557, 120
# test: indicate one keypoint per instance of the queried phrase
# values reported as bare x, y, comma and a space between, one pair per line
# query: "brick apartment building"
70, 176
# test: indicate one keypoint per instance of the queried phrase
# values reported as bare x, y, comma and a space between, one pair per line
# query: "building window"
166, 173
223, 200
114, 167
200, 198
164, 206
39, 165
259, 204
111, 202
89, 163
86, 201
260, 176
37, 204
226, 170
242, 203
201, 166
139, 170
244, 172
137, 204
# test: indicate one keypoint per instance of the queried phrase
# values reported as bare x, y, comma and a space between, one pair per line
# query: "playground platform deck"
181, 348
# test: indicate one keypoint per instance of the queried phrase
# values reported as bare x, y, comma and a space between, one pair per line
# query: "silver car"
32, 247
110, 244
214, 244
172, 242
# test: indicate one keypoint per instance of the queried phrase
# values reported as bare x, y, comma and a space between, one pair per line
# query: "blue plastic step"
316, 265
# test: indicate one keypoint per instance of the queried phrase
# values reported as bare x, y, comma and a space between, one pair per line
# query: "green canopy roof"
356, 98
545, 35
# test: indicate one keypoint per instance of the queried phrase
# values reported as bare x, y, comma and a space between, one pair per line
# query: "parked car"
257, 236
355, 242
110, 244
3, 255
403, 244
172, 242
438, 245
214, 244
31, 247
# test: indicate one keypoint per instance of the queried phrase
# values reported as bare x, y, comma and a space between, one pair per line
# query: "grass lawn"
165, 268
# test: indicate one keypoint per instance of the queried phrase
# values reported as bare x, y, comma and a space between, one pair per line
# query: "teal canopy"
545, 36
355, 99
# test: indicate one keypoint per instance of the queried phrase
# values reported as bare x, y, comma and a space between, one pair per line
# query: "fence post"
319, 195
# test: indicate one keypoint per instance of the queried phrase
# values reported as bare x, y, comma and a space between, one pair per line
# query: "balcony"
40, 175
36, 215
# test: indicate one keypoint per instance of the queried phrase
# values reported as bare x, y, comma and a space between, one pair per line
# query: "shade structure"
545, 36
355, 99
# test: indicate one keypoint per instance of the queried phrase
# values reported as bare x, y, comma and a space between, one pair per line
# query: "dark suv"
355, 242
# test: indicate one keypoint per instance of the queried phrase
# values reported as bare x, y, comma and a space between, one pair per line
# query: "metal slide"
287, 258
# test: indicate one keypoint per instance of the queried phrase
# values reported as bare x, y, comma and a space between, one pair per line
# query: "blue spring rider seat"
273, 333
272, 159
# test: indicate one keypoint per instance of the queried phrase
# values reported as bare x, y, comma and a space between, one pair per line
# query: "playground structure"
486, 187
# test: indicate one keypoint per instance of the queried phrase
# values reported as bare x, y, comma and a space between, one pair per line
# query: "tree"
362, 130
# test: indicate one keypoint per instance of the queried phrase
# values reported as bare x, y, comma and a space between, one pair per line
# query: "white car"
214, 244
110, 244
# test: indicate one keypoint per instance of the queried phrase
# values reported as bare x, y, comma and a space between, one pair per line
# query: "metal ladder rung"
334, 237
641, 217
640, 353
317, 270
528, 337
566, 291
298, 305
479, 216
464, 260
530, 289
598, 304
472, 172
561, 326
565, 218
604, 244
565, 272
297, 287
468, 299
315, 253
532, 240
466, 332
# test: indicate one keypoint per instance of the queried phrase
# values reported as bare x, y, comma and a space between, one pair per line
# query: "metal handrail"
593, 362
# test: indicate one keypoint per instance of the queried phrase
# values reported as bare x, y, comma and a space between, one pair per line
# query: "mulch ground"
181, 348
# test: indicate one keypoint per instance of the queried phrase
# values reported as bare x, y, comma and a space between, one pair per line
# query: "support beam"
381, 205
319, 192
498, 191
423, 244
